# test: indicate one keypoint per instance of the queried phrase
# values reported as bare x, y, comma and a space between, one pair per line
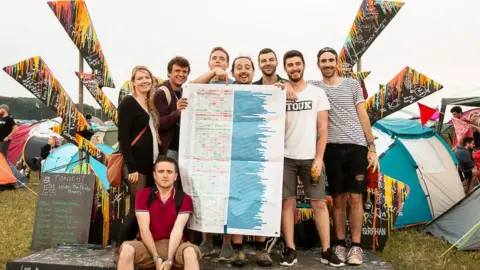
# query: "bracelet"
373, 151
170, 262
155, 258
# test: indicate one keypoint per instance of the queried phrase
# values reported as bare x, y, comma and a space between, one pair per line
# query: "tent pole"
443, 107
429, 198
468, 233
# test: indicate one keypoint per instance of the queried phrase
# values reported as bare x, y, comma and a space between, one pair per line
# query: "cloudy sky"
439, 38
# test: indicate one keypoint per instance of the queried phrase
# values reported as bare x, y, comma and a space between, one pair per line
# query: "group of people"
327, 127
467, 146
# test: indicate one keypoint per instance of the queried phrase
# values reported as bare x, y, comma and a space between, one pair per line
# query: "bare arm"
176, 234
205, 78
208, 76
143, 218
365, 122
322, 133
14, 128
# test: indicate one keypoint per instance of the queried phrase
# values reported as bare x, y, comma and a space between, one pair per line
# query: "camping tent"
107, 135
465, 101
421, 159
460, 225
19, 138
10, 177
65, 158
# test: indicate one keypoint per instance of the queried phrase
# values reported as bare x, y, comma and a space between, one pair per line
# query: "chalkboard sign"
64, 208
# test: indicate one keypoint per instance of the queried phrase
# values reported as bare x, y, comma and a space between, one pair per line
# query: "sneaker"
263, 258
289, 257
226, 253
355, 256
206, 249
340, 252
238, 258
329, 257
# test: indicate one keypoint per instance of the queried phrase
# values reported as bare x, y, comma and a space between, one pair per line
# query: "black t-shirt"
174, 144
6, 125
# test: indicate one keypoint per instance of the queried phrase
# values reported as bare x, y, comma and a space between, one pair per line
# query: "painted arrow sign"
88, 80
74, 17
408, 87
36, 77
372, 18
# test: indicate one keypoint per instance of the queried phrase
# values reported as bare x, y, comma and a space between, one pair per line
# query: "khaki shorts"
143, 258
293, 168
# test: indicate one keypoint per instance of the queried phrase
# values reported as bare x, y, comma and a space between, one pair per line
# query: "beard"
295, 79
329, 73
269, 73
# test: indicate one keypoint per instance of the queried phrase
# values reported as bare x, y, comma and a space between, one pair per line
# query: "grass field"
406, 249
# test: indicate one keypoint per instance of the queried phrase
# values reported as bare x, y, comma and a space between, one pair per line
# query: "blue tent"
421, 159
65, 158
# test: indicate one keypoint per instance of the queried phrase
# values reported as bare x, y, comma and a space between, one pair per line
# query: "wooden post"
80, 100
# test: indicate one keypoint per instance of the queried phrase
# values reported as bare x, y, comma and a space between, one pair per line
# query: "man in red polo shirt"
161, 229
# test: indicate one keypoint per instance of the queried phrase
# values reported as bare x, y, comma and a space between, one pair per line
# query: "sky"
439, 38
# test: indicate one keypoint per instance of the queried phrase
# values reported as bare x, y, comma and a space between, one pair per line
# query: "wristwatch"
155, 258
169, 261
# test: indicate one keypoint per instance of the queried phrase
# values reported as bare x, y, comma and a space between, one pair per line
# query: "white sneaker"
355, 256
341, 252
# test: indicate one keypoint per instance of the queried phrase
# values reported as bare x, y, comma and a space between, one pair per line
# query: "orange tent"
9, 175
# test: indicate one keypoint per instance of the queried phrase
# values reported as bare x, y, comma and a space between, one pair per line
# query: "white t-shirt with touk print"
301, 130
344, 125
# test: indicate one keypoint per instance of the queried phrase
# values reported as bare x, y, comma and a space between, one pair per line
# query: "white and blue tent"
421, 159
65, 158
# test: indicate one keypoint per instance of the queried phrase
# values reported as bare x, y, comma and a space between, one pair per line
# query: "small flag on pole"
426, 113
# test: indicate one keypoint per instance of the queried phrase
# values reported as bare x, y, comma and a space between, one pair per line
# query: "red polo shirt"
162, 215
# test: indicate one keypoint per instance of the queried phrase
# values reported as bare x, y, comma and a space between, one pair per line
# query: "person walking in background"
138, 139
7, 128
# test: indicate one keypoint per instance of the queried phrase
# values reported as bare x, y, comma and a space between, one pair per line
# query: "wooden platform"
90, 257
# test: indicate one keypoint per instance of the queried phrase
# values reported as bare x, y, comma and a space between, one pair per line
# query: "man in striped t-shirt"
350, 151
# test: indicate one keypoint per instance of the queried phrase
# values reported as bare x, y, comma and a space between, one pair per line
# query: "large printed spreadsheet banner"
231, 157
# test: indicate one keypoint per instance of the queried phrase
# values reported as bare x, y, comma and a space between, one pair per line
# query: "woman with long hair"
138, 125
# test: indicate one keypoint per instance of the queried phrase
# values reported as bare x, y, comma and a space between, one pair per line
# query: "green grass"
406, 249
17, 212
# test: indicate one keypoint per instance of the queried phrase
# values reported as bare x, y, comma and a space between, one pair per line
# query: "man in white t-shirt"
305, 140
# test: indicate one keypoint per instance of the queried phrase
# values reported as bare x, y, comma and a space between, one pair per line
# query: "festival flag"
408, 87
426, 113
74, 17
372, 18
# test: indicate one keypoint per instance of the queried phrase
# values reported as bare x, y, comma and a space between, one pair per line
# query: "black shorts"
346, 168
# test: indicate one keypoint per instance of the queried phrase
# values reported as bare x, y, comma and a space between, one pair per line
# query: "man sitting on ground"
162, 215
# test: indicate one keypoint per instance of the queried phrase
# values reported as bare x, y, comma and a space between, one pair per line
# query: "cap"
5, 107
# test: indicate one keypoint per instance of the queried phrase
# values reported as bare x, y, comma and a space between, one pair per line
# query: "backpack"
178, 198
167, 94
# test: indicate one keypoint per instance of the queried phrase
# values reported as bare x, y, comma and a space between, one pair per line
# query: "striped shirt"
343, 122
